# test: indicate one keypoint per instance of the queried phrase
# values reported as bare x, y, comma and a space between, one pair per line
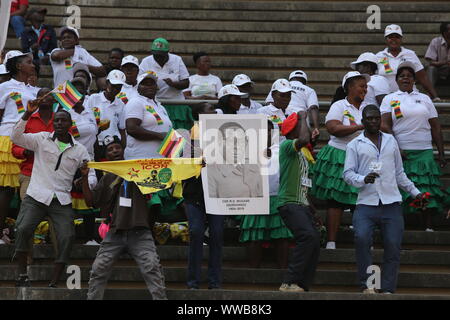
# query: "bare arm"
135, 130
422, 78
305, 135
337, 129
60, 55
436, 133
386, 123
180, 85
87, 193
97, 71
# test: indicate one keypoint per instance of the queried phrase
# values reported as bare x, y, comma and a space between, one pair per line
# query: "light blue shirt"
361, 153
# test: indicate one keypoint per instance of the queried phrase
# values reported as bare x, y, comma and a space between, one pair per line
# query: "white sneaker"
291, 288
2, 242
331, 245
429, 230
92, 243
369, 291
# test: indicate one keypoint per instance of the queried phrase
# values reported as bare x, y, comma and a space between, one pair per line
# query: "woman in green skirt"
343, 122
412, 118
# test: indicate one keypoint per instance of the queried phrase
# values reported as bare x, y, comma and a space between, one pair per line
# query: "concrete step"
251, 15
170, 253
279, 5
142, 294
413, 279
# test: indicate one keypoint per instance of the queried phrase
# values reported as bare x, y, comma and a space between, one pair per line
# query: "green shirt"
293, 167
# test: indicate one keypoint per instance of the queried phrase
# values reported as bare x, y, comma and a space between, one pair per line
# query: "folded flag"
67, 95
350, 117
17, 97
276, 120
68, 64
172, 145
395, 104
96, 112
152, 175
122, 96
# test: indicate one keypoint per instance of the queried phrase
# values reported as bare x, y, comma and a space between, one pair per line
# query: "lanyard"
125, 188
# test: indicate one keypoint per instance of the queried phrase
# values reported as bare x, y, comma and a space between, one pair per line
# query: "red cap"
289, 124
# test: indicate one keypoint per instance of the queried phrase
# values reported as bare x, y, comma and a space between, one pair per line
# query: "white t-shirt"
377, 86
412, 130
302, 99
338, 111
63, 70
130, 91
141, 108
87, 127
204, 85
114, 112
174, 69
277, 116
388, 64
11, 114
253, 109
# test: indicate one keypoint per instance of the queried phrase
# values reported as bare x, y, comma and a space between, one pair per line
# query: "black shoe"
23, 281
52, 285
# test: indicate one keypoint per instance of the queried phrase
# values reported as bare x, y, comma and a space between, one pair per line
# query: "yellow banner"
152, 175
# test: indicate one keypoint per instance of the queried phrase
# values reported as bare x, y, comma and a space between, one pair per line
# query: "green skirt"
328, 183
264, 227
422, 169
181, 116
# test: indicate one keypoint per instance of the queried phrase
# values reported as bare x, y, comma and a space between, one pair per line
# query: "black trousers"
305, 256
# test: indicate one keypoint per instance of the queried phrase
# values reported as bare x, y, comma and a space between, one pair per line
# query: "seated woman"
202, 85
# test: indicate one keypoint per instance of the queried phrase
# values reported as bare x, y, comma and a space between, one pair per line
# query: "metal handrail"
322, 104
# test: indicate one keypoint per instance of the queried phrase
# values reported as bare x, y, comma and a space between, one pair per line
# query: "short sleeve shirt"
252, 109
154, 117
303, 98
174, 69
388, 64
114, 112
293, 168
14, 97
346, 113
438, 50
63, 70
377, 86
86, 127
204, 85
410, 118
15, 5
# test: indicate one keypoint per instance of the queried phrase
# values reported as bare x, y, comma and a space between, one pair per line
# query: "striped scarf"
387, 67
155, 114
122, 96
68, 64
395, 104
74, 130
350, 118
17, 97
96, 111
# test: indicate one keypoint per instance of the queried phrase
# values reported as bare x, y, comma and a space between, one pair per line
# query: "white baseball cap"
147, 74
393, 28
230, 89
14, 53
281, 85
353, 74
299, 74
116, 77
363, 57
67, 28
130, 59
241, 79
407, 64
3, 69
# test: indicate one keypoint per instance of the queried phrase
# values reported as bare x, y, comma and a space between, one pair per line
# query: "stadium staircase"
266, 40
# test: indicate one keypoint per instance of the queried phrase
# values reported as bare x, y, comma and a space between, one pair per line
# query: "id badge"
125, 202
307, 182
375, 166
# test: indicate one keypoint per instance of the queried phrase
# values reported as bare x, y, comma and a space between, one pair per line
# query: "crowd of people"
382, 131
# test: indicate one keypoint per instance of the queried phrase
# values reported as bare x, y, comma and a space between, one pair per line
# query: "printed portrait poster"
235, 178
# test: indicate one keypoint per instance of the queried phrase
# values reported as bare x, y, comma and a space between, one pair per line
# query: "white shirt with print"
204, 85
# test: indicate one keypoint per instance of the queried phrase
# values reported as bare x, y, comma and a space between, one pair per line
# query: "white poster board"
235, 178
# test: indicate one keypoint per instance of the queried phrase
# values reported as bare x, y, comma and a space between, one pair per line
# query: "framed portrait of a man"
234, 179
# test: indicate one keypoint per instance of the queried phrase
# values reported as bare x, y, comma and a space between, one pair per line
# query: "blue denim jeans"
197, 219
390, 219
18, 24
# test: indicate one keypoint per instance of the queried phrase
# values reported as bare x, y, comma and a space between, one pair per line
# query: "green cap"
160, 44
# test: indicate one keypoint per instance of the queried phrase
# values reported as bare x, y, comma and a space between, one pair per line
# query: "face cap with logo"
393, 29
130, 59
160, 44
281, 85
241, 79
298, 74
230, 89
116, 77
148, 74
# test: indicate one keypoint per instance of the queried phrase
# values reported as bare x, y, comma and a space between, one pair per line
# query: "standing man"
172, 73
374, 165
57, 156
17, 13
293, 204
130, 228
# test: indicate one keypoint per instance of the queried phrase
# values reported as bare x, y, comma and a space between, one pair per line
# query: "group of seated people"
126, 120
